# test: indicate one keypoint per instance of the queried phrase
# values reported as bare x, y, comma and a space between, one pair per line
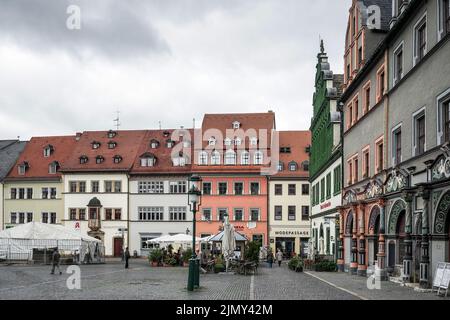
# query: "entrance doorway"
286, 245
118, 247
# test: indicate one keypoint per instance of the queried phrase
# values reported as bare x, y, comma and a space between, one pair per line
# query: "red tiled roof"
162, 153
298, 141
33, 154
223, 125
128, 142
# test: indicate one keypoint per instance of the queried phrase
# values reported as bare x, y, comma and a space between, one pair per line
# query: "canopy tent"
237, 236
178, 238
19, 243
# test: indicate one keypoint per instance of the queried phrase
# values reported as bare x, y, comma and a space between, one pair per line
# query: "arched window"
215, 158
293, 166
258, 158
48, 150
203, 158
148, 160
230, 157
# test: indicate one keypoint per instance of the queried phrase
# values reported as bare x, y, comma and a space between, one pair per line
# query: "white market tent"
178, 238
18, 243
218, 237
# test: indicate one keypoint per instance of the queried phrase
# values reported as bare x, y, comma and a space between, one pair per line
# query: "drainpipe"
267, 211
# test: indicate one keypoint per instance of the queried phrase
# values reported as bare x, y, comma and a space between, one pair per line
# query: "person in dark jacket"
127, 257
270, 259
56, 258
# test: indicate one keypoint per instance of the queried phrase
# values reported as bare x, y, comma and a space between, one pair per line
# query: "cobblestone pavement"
112, 281
358, 286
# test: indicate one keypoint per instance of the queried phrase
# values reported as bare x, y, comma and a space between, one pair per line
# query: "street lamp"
194, 201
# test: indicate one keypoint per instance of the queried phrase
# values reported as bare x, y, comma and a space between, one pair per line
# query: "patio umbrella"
228, 241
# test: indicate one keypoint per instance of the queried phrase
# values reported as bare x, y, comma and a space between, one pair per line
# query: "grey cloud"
113, 28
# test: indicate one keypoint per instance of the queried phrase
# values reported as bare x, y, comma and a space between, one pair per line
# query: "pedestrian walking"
279, 257
127, 257
270, 259
56, 258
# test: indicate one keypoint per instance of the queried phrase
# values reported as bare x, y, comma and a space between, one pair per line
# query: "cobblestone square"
111, 281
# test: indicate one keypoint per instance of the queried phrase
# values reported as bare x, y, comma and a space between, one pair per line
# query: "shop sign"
292, 233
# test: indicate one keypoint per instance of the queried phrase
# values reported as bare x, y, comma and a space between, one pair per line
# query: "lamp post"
194, 200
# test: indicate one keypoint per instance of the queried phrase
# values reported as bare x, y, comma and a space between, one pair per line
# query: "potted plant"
187, 255
155, 257
219, 266
170, 261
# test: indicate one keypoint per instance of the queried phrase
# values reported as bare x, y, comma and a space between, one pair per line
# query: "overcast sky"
161, 60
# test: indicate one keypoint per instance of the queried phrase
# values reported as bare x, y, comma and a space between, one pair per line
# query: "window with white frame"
221, 212
245, 158
44, 193
444, 18
397, 145
203, 158
151, 187
206, 214
238, 214
44, 217
398, 63
236, 125
177, 213
52, 217
255, 214
215, 158
420, 39
13, 218
148, 161
230, 157
253, 141
419, 133
258, 158
443, 102
278, 213
151, 213
178, 186
280, 166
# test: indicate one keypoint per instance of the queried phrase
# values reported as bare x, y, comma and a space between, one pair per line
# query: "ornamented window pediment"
440, 169
396, 181
349, 197
373, 189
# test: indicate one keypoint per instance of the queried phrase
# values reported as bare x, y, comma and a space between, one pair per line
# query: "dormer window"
227, 142
117, 159
293, 166
212, 141
95, 144
170, 143
179, 161
254, 141
154, 144
112, 145
203, 158
166, 134
258, 158
305, 165
280, 166
237, 141
53, 167
99, 159
236, 125
83, 159
111, 134
148, 160
48, 150
23, 167
230, 157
